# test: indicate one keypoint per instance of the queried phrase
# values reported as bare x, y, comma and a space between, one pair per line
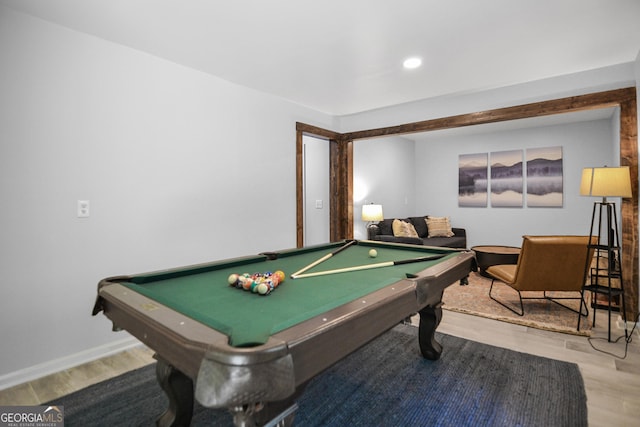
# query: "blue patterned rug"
386, 383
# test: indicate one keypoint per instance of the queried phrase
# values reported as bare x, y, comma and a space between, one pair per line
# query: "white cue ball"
373, 253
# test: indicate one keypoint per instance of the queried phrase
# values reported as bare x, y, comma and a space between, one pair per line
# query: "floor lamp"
370, 214
605, 182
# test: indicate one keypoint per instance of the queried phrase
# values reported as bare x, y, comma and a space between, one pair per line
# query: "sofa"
416, 231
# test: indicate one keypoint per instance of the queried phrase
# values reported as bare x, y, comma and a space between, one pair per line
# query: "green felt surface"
203, 293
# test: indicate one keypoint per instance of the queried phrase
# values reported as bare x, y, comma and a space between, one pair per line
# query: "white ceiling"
345, 56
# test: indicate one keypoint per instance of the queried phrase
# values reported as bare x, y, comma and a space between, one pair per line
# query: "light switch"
318, 204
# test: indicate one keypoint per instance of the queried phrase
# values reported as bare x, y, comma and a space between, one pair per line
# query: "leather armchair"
546, 263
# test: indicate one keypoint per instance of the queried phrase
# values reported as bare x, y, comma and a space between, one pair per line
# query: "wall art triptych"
506, 178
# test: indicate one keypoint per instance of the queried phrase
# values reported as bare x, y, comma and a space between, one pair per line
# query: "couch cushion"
449, 242
420, 225
385, 226
439, 226
403, 229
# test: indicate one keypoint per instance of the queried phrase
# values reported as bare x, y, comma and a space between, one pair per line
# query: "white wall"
425, 173
383, 173
179, 167
583, 144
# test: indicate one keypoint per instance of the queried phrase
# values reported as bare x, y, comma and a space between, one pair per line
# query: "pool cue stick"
324, 258
369, 266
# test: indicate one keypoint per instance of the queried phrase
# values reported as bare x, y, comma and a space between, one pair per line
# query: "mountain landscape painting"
544, 177
472, 180
506, 179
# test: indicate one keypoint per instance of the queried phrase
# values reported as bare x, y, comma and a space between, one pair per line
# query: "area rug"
385, 383
540, 314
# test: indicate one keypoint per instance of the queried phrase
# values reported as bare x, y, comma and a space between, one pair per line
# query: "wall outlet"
83, 209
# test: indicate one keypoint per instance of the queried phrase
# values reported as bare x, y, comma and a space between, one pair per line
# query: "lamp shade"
372, 212
606, 182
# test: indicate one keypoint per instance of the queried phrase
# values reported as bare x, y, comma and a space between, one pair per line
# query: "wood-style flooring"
612, 384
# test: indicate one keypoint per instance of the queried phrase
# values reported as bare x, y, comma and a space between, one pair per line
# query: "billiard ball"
373, 253
280, 275
246, 285
233, 279
263, 289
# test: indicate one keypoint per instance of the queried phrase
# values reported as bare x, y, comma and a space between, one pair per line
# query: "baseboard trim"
47, 368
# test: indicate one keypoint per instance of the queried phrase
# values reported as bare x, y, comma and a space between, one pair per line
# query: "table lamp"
372, 213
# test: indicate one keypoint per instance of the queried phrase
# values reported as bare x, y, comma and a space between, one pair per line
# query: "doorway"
316, 215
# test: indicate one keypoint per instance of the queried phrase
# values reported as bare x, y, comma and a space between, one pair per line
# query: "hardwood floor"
61, 383
612, 384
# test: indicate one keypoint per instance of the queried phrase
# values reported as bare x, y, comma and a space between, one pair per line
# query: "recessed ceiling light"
413, 62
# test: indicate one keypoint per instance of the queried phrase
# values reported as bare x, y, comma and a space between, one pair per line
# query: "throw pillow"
403, 229
386, 226
439, 226
419, 224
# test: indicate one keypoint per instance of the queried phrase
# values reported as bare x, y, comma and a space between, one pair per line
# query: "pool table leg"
430, 318
179, 389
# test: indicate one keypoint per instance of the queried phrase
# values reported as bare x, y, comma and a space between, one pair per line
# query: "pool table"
254, 353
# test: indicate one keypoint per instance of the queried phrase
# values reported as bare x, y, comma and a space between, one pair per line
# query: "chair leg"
582, 301
503, 304
586, 307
